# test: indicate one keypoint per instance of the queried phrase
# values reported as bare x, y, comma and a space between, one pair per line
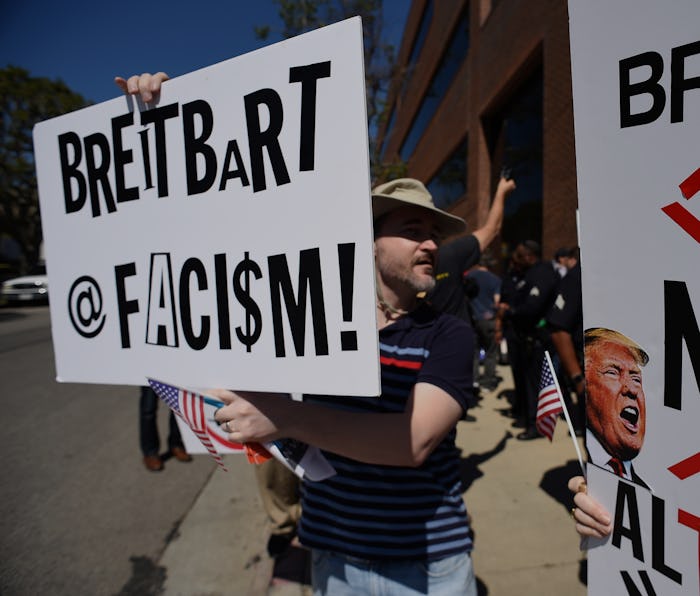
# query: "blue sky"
86, 43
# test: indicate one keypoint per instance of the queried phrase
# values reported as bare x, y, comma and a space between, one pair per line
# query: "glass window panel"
387, 134
449, 185
522, 141
449, 65
418, 43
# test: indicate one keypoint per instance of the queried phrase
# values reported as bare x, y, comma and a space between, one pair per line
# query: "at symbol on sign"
85, 306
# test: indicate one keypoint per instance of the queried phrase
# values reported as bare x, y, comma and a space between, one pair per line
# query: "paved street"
80, 515
78, 512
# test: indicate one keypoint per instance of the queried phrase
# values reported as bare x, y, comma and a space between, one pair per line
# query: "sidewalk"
515, 492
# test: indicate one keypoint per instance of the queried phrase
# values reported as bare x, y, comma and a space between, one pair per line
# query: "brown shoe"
153, 463
180, 454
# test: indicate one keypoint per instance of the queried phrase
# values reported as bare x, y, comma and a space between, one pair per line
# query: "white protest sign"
636, 86
644, 553
223, 236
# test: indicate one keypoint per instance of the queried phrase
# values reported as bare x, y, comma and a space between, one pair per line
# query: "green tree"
300, 16
24, 101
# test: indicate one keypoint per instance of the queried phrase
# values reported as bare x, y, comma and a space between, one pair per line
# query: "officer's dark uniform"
566, 314
533, 298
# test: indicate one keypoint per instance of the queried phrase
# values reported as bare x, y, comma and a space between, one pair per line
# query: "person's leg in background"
535, 356
517, 355
175, 443
148, 429
279, 491
487, 332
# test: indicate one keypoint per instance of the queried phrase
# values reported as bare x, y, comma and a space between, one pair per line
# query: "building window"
387, 133
418, 43
449, 185
520, 142
451, 61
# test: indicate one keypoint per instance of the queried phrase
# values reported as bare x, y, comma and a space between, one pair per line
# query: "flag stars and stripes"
549, 403
190, 407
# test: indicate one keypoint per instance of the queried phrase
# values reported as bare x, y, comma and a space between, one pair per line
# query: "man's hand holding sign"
145, 86
231, 273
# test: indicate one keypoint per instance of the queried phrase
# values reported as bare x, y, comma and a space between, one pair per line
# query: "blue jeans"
340, 575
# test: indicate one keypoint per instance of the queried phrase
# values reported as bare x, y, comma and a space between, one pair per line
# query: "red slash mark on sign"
687, 467
684, 218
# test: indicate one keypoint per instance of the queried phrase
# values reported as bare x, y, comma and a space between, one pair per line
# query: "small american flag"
190, 407
549, 403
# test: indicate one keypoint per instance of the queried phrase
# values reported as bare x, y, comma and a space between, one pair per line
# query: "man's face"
615, 406
405, 249
522, 258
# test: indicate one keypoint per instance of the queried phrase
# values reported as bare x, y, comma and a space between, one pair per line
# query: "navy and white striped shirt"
390, 512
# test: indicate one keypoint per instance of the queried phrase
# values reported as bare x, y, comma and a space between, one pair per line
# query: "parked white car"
32, 288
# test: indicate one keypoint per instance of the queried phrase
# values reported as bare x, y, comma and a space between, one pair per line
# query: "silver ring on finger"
226, 427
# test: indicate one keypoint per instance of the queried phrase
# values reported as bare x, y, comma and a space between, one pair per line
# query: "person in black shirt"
484, 306
525, 313
459, 255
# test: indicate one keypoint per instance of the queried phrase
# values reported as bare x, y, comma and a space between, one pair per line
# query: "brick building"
487, 83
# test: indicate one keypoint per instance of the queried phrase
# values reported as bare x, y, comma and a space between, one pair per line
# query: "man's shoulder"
427, 315
465, 250
426, 328
468, 242
543, 273
452, 328
570, 286
544, 268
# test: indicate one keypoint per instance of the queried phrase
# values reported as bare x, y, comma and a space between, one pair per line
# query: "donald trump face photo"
615, 400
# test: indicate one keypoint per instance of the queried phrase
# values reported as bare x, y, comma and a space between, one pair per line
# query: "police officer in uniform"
533, 297
565, 324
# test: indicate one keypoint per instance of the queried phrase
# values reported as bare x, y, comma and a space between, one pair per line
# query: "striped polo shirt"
391, 512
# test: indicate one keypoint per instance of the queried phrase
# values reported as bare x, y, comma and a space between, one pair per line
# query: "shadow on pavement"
147, 578
554, 482
469, 466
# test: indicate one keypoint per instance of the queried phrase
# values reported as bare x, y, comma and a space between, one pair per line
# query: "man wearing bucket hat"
393, 512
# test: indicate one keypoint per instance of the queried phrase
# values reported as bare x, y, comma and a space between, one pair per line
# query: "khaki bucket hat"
408, 191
